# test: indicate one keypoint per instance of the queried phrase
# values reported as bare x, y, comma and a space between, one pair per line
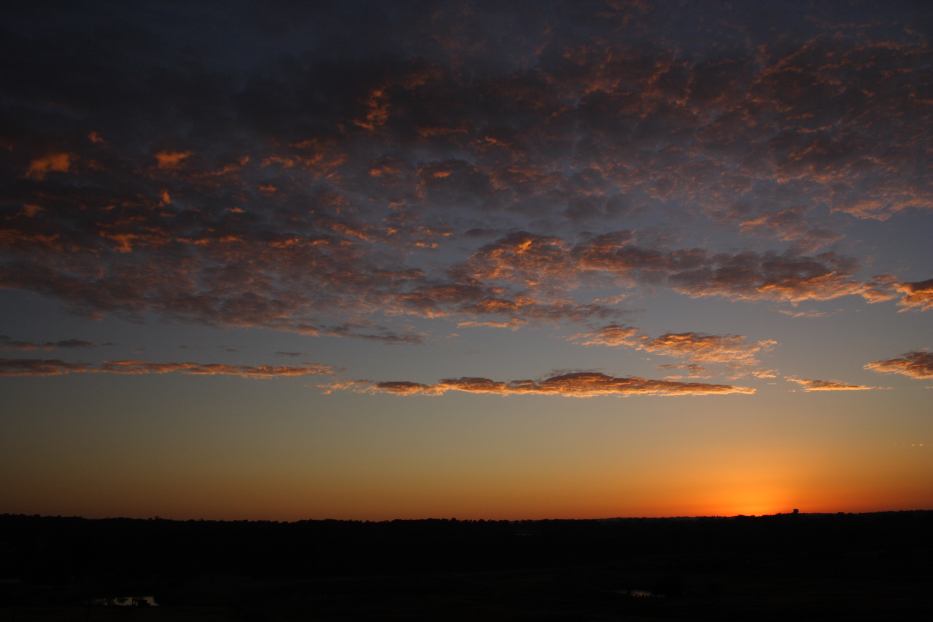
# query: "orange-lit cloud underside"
578, 384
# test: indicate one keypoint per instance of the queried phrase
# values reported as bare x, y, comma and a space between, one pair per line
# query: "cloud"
382, 335
473, 298
791, 224
708, 348
698, 347
788, 276
916, 364
547, 264
8, 343
784, 277
52, 163
611, 335
512, 324
171, 159
810, 385
809, 313
764, 374
575, 384
138, 368
916, 295
232, 192
56, 367
521, 257
691, 370
41, 367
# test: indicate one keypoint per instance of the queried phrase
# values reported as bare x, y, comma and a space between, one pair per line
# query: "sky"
375, 260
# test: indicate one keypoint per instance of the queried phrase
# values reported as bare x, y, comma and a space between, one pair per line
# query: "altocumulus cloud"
321, 184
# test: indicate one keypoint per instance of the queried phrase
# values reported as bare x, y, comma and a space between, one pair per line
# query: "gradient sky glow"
476, 259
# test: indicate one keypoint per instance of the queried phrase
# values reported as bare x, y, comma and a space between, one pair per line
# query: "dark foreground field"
784, 567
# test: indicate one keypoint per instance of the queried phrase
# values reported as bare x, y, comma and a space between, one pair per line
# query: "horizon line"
4, 515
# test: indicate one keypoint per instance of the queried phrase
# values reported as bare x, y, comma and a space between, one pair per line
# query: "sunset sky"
379, 260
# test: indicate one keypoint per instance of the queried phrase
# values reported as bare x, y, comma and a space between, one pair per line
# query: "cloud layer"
454, 163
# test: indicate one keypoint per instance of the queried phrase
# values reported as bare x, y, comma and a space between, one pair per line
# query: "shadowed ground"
845, 566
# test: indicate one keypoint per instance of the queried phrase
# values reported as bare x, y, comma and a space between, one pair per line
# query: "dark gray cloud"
307, 169
790, 276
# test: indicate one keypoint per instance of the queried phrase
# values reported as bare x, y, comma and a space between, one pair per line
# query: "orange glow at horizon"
522, 462
744, 485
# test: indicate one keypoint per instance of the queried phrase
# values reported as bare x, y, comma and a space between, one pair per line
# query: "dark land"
782, 567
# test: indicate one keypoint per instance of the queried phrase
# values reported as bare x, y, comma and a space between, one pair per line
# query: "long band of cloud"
56, 367
810, 385
576, 384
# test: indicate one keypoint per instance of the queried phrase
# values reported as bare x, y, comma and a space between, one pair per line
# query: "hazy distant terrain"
845, 566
